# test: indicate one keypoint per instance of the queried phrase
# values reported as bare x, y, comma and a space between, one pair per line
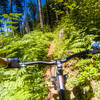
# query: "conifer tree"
40, 14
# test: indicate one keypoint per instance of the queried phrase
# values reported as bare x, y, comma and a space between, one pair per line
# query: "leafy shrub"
25, 83
77, 40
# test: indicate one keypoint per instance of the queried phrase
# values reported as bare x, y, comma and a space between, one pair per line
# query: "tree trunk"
11, 19
67, 9
27, 27
40, 14
10, 6
57, 17
47, 12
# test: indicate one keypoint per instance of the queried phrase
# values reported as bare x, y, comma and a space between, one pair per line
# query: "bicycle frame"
60, 77
60, 80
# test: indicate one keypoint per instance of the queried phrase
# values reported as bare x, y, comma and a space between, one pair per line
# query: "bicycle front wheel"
62, 95
61, 87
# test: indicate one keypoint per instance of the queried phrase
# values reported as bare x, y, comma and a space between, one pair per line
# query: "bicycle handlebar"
15, 63
23, 64
38, 62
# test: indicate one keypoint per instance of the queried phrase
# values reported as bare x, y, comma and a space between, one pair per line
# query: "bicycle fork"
59, 80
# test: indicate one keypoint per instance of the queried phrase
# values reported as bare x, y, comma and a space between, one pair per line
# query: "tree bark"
10, 6
11, 19
47, 11
40, 14
57, 17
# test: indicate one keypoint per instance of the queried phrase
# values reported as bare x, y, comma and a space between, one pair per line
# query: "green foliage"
59, 1
85, 14
75, 39
81, 22
89, 68
87, 72
25, 83
12, 22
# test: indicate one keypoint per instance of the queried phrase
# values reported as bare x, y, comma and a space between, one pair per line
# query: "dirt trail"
52, 94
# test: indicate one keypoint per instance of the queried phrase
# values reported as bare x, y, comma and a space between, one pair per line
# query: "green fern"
25, 83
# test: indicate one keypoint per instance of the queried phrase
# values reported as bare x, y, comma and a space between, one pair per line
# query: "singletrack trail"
52, 93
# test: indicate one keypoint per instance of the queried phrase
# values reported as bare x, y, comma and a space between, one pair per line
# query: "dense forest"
27, 27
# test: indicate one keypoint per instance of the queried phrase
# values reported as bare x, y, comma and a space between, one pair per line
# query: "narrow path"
52, 93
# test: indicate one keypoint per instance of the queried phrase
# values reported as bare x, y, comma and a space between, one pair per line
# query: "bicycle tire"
61, 88
62, 95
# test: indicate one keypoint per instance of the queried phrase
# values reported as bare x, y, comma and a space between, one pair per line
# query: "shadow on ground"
80, 92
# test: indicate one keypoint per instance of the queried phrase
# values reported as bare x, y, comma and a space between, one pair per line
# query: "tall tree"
3, 6
19, 9
47, 12
3, 9
10, 6
19, 6
26, 18
32, 11
40, 14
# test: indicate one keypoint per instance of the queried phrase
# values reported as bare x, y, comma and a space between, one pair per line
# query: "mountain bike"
59, 79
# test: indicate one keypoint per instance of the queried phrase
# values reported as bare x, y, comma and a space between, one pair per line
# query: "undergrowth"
87, 69
28, 83
25, 83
